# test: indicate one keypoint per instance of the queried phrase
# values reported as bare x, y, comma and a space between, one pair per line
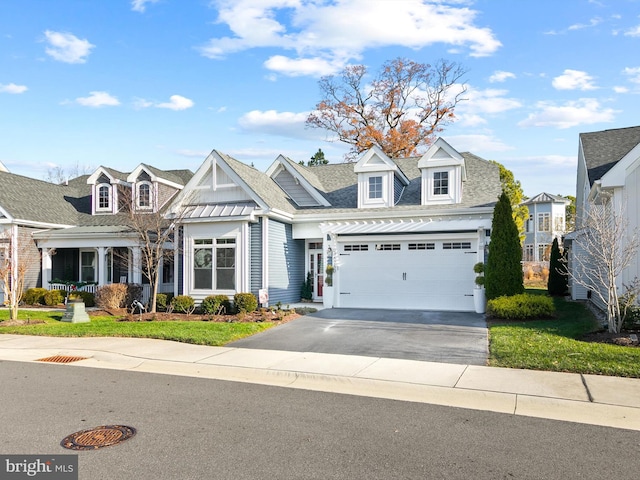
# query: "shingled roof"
602, 150
30, 200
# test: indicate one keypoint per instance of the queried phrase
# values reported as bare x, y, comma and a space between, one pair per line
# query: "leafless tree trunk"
155, 232
604, 247
16, 259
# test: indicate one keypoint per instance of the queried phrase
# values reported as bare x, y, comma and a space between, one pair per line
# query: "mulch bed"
624, 338
258, 316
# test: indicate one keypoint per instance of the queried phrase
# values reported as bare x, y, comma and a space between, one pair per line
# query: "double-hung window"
375, 187
214, 264
144, 195
441, 183
544, 222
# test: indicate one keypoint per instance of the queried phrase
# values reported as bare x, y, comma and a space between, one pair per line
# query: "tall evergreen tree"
503, 274
557, 282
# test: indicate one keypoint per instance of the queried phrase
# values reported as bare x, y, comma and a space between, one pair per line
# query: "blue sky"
163, 82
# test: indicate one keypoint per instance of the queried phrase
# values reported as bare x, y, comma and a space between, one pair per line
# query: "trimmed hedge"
523, 306
34, 296
183, 304
54, 297
111, 296
246, 302
163, 300
211, 304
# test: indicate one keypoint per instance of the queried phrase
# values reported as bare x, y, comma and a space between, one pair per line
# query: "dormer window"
103, 198
375, 187
144, 195
441, 183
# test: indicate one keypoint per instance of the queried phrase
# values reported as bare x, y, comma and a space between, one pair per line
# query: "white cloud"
574, 80
619, 89
284, 124
12, 88
633, 73
633, 32
325, 37
592, 23
66, 47
480, 103
177, 102
193, 153
477, 144
302, 66
501, 76
98, 99
141, 5
585, 111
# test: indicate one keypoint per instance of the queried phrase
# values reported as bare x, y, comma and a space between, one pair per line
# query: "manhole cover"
98, 437
61, 359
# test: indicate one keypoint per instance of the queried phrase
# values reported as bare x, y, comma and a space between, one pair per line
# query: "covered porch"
97, 257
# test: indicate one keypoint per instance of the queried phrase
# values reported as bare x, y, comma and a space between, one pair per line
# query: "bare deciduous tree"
155, 232
603, 248
18, 255
60, 175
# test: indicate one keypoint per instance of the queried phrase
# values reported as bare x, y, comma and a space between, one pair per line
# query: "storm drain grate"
98, 437
61, 359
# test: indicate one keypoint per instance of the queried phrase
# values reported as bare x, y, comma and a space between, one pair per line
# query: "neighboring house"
545, 222
608, 161
77, 227
400, 233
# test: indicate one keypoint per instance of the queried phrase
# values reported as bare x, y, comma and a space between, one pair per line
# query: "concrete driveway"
448, 337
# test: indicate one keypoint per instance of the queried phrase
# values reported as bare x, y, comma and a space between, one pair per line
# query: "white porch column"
102, 267
137, 266
47, 266
482, 237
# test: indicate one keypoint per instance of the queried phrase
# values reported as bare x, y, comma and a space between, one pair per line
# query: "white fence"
146, 289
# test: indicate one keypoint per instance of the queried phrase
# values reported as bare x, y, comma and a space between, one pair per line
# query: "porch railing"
146, 289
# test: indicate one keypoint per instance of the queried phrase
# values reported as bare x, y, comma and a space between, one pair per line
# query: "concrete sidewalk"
591, 399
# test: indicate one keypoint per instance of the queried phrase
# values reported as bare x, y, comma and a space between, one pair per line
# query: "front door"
316, 267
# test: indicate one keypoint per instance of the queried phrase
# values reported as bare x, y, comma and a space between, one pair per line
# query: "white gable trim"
375, 160
213, 159
93, 178
283, 162
154, 178
618, 173
434, 158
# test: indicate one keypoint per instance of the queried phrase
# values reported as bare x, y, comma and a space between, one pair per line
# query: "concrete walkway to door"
448, 337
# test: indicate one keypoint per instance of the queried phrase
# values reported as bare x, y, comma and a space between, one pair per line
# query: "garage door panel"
437, 279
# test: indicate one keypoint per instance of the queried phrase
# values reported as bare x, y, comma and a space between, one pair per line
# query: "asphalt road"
449, 337
190, 428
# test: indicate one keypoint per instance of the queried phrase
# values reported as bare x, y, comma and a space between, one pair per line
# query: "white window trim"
109, 208
363, 186
213, 246
151, 195
454, 193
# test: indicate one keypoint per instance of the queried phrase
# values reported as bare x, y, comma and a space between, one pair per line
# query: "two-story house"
545, 222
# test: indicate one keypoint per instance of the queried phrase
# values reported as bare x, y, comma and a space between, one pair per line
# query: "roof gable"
441, 154
295, 183
604, 149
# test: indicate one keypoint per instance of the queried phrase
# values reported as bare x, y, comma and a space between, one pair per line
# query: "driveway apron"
447, 337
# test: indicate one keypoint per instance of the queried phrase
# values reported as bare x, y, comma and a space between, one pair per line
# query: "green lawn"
555, 345
197, 332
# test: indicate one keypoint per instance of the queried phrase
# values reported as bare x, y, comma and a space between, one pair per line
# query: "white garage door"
420, 274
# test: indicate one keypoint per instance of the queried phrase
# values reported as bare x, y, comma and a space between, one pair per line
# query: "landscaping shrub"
521, 307
306, 291
245, 302
111, 296
163, 300
34, 296
557, 283
211, 305
87, 297
54, 297
183, 304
